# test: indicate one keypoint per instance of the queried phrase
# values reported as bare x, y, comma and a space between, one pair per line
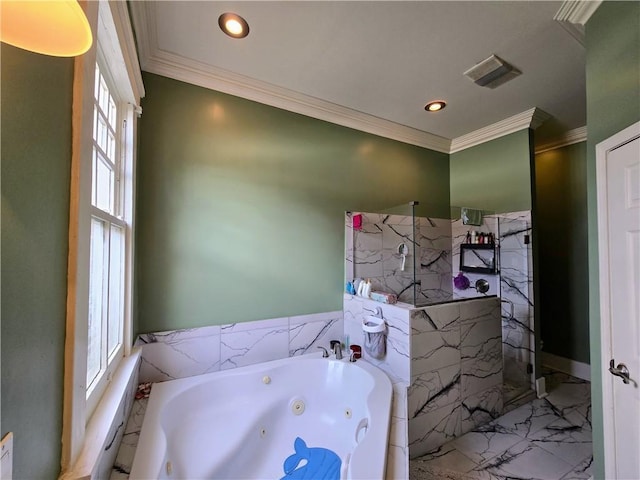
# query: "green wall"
561, 194
494, 176
240, 212
36, 161
613, 103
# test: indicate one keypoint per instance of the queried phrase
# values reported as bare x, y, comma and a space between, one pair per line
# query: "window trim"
111, 27
120, 217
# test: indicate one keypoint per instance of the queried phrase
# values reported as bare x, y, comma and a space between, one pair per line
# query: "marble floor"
548, 438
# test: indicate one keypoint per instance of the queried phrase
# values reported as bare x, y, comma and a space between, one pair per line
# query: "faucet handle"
325, 354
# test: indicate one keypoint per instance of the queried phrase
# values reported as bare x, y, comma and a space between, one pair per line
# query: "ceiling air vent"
492, 72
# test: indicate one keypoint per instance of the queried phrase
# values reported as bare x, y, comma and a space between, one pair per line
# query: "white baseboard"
566, 365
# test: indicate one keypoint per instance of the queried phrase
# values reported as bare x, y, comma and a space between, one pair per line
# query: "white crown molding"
577, 12
180, 68
532, 118
576, 135
155, 60
196, 73
573, 15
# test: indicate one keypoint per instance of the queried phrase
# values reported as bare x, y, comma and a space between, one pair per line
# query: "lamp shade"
58, 28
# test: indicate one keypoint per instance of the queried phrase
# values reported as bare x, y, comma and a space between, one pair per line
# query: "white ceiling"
377, 62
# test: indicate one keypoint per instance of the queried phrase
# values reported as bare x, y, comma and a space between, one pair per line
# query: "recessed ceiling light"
233, 25
435, 106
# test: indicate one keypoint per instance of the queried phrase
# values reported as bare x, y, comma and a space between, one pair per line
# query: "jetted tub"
300, 417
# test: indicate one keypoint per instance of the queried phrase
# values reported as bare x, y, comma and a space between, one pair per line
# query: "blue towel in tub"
322, 464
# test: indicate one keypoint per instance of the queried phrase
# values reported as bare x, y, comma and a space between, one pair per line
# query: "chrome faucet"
336, 346
325, 354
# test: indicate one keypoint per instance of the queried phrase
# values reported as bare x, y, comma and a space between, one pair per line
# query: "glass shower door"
516, 292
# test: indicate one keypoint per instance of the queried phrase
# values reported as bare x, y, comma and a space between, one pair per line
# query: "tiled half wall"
185, 353
456, 371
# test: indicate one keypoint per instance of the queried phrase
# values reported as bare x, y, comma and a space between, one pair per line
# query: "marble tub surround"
546, 438
189, 352
117, 432
396, 361
456, 371
126, 452
395, 364
371, 252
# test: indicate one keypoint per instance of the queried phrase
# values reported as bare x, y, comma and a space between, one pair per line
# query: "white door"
618, 171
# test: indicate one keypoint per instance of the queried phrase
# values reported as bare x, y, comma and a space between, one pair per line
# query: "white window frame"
121, 217
84, 420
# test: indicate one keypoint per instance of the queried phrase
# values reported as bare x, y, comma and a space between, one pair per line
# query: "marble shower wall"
456, 371
516, 279
459, 233
434, 265
189, 352
372, 252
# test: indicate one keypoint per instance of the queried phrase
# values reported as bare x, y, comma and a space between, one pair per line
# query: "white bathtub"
247, 422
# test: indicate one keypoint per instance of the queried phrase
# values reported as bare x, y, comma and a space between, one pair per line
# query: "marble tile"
569, 396
434, 288
367, 264
512, 234
351, 307
429, 431
396, 317
481, 340
582, 471
246, 347
369, 239
180, 356
424, 471
484, 371
398, 431
526, 460
479, 310
404, 220
481, 408
397, 463
435, 318
435, 233
529, 418
176, 336
448, 457
396, 363
569, 440
433, 390
399, 400
308, 332
433, 350
401, 285
104, 464
127, 450
272, 323
433, 260
515, 372
485, 442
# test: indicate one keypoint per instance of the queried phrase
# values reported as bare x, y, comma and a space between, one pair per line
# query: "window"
107, 237
106, 94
